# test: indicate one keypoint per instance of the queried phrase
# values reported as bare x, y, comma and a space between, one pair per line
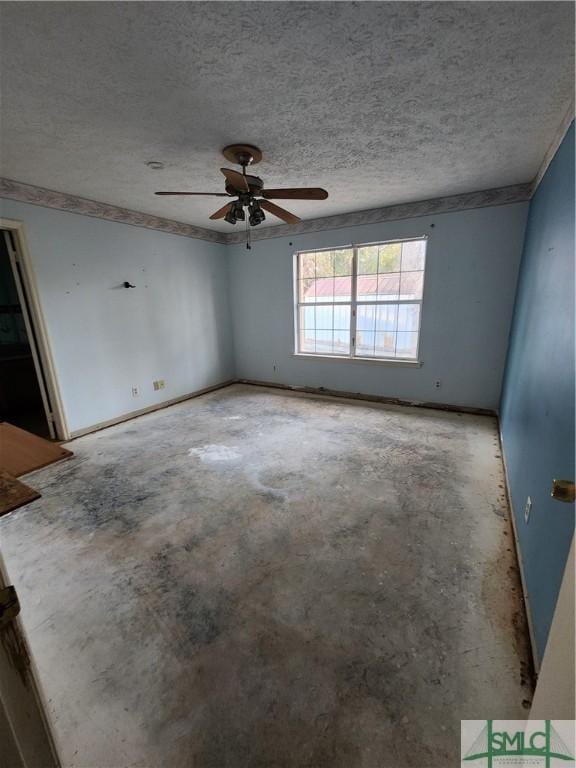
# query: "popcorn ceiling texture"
381, 103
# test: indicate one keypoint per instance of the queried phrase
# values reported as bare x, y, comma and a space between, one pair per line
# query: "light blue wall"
471, 272
537, 415
174, 325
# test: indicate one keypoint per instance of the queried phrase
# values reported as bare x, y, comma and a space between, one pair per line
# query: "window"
362, 301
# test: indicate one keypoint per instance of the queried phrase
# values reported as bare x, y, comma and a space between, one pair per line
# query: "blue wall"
472, 263
537, 411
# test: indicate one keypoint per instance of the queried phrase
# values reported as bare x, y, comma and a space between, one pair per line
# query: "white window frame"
354, 303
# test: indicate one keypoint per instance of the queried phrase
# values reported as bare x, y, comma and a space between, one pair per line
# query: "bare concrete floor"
263, 579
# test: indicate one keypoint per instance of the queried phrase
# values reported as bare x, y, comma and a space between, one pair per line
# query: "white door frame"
23, 272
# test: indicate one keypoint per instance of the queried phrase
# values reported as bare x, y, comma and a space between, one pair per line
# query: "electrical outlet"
135, 390
437, 383
527, 509
275, 368
159, 384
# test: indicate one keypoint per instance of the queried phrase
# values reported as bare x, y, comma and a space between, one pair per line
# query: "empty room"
287, 450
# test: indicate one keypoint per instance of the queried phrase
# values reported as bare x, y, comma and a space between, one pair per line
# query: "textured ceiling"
380, 103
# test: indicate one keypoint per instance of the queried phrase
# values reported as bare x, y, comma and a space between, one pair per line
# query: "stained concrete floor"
264, 579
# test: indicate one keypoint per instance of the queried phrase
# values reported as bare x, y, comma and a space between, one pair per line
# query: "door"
25, 732
24, 399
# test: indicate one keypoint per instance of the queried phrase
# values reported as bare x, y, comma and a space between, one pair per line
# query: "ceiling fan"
249, 191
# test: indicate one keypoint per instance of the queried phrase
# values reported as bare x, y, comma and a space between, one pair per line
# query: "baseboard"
535, 660
293, 388
148, 409
370, 398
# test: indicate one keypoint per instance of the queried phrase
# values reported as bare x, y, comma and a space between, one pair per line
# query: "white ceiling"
380, 103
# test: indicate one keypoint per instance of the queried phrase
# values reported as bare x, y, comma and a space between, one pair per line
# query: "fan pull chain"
248, 238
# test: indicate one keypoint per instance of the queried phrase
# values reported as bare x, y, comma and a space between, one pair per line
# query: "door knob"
563, 490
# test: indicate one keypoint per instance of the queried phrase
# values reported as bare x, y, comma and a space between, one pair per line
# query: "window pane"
307, 290
342, 342
365, 343
389, 257
307, 265
366, 318
324, 318
406, 344
324, 263
324, 342
368, 260
411, 285
307, 341
342, 289
307, 321
388, 285
408, 317
366, 287
385, 344
413, 255
342, 317
324, 289
386, 317
343, 262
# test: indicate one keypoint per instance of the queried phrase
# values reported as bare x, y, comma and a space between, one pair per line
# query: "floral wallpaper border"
26, 193
501, 196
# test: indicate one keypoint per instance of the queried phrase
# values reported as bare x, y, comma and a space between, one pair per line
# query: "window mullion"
353, 302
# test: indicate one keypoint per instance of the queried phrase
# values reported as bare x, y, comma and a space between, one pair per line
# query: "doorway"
28, 396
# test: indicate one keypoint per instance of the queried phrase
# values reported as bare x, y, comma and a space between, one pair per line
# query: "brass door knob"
563, 490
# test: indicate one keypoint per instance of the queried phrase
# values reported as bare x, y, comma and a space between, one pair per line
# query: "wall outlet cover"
135, 390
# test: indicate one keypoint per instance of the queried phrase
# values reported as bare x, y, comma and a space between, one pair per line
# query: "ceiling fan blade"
211, 194
236, 180
221, 212
286, 216
310, 193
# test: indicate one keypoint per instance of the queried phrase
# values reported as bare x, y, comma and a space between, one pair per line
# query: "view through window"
362, 301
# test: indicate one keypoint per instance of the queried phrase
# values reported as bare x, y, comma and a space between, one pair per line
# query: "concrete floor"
263, 579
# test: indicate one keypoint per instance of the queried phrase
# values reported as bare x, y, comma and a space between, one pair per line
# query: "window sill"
363, 360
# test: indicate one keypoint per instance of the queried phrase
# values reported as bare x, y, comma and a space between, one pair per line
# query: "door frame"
23, 272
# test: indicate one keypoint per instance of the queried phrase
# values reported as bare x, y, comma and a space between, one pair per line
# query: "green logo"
544, 743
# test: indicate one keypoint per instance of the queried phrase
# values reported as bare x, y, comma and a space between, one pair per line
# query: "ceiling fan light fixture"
238, 210
230, 216
257, 215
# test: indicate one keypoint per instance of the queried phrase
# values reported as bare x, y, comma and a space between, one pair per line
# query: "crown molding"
554, 146
26, 193
489, 197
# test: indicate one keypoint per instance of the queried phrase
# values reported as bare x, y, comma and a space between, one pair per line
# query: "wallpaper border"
27, 193
48, 198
